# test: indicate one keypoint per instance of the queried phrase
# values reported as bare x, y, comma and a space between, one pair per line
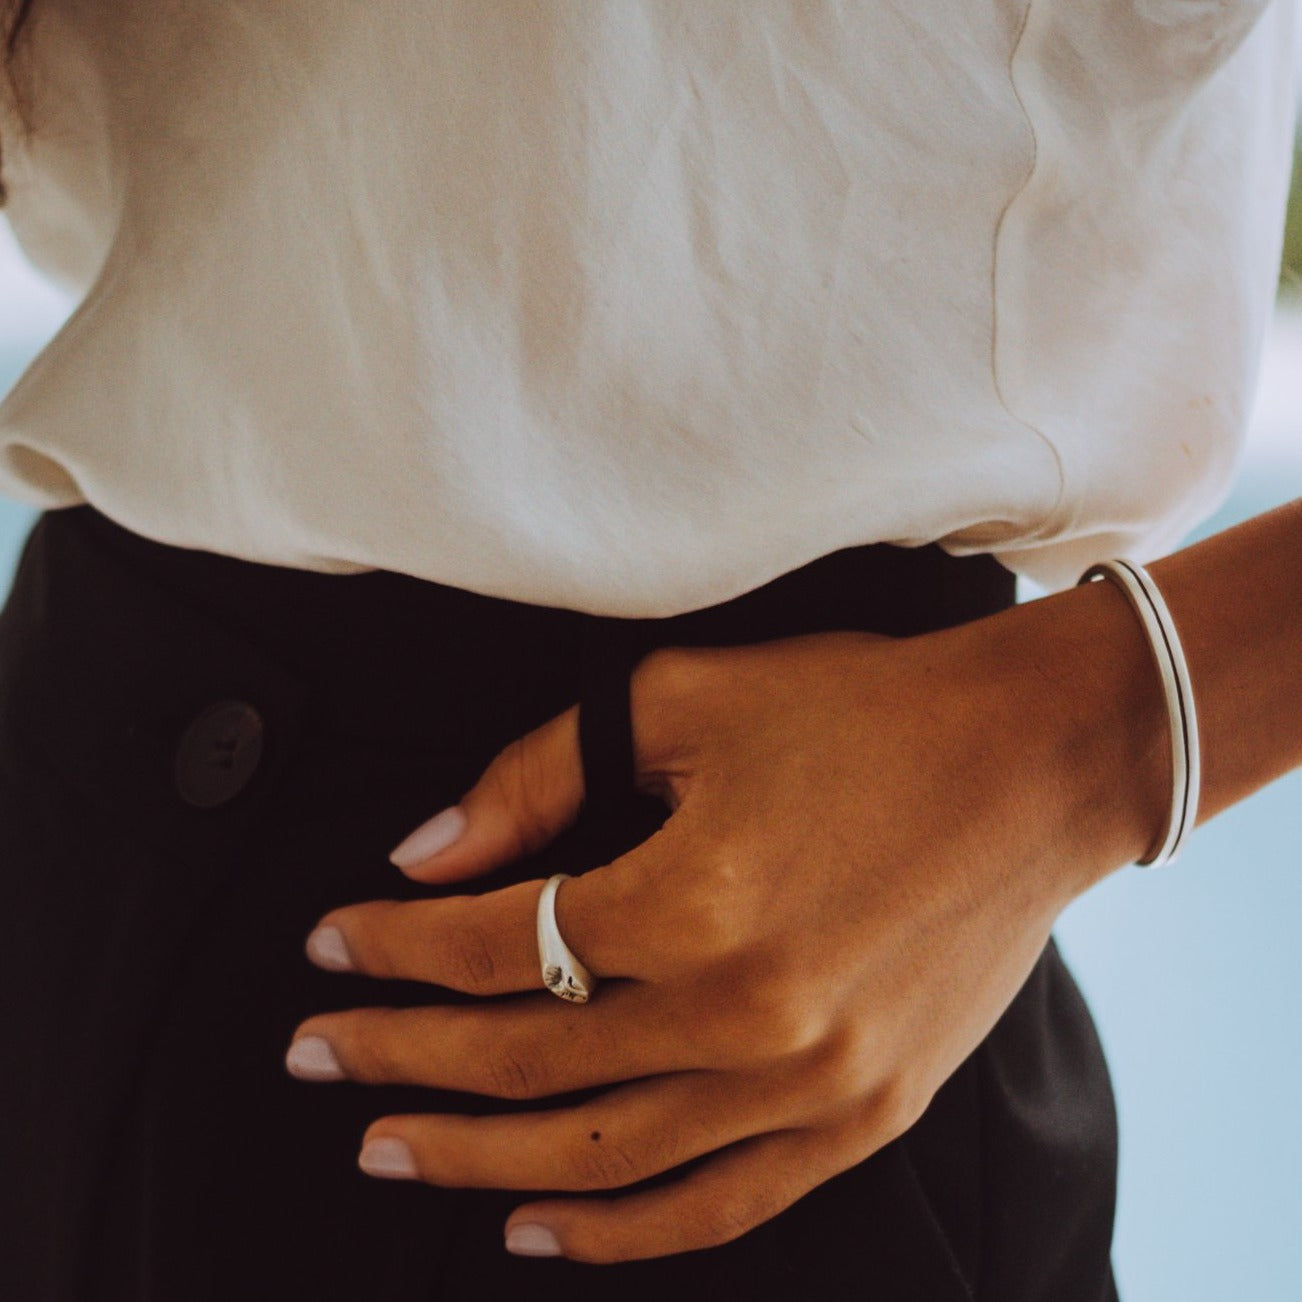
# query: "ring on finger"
562, 971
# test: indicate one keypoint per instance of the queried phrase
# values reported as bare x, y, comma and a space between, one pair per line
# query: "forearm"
1089, 706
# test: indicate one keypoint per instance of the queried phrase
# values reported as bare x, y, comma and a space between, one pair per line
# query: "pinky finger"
729, 1194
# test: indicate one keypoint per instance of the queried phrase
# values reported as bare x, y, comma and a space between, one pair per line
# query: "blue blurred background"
1194, 972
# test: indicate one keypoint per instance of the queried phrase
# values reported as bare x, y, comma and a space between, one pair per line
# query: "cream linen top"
631, 305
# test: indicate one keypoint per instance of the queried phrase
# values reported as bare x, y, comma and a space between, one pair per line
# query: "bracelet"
1164, 641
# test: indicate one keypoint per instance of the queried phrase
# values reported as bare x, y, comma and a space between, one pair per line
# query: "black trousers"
199, 756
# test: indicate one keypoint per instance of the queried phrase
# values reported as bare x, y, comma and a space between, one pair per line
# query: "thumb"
530, 793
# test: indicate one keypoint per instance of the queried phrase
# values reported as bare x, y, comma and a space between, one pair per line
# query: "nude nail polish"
389, 1159
430, 837
327, 948
312, 1058
532, 1241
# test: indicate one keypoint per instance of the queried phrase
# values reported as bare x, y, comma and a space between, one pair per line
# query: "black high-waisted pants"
199, 756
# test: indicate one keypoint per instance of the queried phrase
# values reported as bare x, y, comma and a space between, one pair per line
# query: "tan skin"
870, 842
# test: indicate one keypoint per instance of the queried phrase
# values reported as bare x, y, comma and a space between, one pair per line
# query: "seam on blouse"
1047, 522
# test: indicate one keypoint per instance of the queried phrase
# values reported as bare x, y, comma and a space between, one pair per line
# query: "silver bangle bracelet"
1164, 641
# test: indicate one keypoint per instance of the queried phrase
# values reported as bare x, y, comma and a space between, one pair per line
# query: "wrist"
1074, 678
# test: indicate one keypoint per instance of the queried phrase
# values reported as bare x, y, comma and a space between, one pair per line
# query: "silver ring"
562, 973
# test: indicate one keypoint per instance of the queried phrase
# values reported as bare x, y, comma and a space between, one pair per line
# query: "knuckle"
896, 1109
602, 1163
840, 1069
511, 1074
704, 920
778, 1017
472, 957
726, 1219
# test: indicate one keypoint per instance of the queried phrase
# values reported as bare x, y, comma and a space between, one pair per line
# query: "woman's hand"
869, 844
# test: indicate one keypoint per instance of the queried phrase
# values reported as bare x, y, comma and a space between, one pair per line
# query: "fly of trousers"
199, 756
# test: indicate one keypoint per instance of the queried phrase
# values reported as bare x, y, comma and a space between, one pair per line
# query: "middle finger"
527, 1048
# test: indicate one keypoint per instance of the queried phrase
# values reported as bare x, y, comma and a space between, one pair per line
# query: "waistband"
381, 650
115, 648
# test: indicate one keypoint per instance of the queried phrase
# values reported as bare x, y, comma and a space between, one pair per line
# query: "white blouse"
631, 305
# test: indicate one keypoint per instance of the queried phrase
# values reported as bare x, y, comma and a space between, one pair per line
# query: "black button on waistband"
218, 754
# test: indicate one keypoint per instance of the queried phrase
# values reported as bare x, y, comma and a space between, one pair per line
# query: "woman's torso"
629, 307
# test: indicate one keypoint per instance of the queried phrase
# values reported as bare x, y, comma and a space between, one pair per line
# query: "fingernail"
532, 1241
390, 1159
312, 1058
326, 948
429, 838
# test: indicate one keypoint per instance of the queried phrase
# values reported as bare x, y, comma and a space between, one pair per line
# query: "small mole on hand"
596, 1134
